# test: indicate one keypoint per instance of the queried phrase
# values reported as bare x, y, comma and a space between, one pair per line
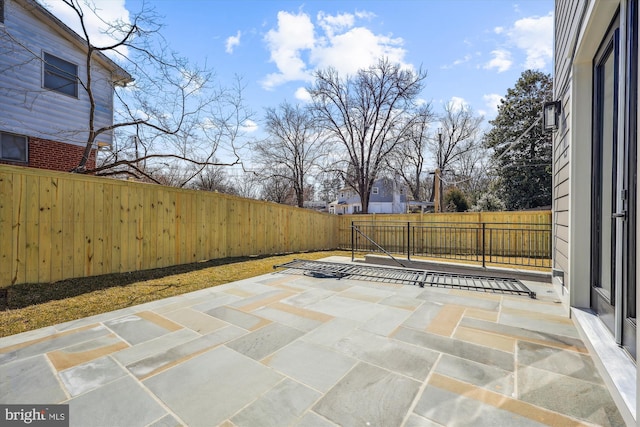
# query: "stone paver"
212, 387
311, 364
282, 405
123, 402
288, 350
405, 359
369, 396
29, 380
91, 375
261, 343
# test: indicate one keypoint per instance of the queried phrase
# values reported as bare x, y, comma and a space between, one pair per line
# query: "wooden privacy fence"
56, 225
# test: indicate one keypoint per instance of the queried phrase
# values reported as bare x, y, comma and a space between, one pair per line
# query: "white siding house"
595, 189
44, 111
387, 196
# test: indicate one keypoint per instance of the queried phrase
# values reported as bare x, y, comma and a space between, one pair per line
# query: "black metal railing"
520, 244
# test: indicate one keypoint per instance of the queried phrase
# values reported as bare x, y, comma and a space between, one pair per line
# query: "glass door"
613, 250
605, 187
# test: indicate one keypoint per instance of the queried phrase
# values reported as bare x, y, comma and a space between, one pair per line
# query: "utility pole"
438, 178
437, 186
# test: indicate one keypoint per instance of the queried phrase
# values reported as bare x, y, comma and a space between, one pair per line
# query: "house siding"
580, 26
26, 107
391, 198
567, 17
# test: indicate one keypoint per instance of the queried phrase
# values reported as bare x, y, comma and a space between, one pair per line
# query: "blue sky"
472, 50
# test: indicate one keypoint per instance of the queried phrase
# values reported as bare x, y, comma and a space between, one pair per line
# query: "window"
13, 147
60, 75
374, 190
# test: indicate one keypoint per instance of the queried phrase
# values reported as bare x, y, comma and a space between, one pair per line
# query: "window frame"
59, 73
26, 148
375, 190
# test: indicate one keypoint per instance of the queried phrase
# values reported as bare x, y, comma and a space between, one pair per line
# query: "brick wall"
47, 154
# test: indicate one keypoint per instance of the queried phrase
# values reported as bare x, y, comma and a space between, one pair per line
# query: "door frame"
617, 310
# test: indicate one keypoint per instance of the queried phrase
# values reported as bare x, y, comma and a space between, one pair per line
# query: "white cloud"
501, 60
492, 101
293, 35
534, 35
139, 115
297, 50
458, 103
355, 49
332, 23
249, 126
110, 11
302, 94
363, 14
232, 42
460, 61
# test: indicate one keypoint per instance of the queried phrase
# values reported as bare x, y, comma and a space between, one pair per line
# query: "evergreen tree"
455, 201
522, 150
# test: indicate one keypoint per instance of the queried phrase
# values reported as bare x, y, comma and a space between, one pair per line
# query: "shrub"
455, 201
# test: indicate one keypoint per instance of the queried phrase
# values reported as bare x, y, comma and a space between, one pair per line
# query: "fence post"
484, 229
352, 243
408, 241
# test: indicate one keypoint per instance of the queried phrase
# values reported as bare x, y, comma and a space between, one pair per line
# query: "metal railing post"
484, 229
408, 241
352, 243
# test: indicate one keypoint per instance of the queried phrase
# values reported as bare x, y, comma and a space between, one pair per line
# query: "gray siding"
568, 15
29, 109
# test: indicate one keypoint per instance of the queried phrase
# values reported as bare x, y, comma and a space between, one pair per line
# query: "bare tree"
459, 133
408, 162
276, 188
329, 186
470, 174
213, 178
247, 184
293, 148
215, 121
367, 115
173, 115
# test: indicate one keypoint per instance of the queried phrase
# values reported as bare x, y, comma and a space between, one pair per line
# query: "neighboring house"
387, 196
595, 205
44, 111
316, 205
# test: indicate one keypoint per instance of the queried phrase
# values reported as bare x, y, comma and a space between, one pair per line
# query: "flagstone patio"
286, 349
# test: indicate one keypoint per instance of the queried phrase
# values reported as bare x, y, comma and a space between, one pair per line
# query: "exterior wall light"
551, 115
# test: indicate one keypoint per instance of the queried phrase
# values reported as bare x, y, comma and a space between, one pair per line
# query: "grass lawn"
33, 306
